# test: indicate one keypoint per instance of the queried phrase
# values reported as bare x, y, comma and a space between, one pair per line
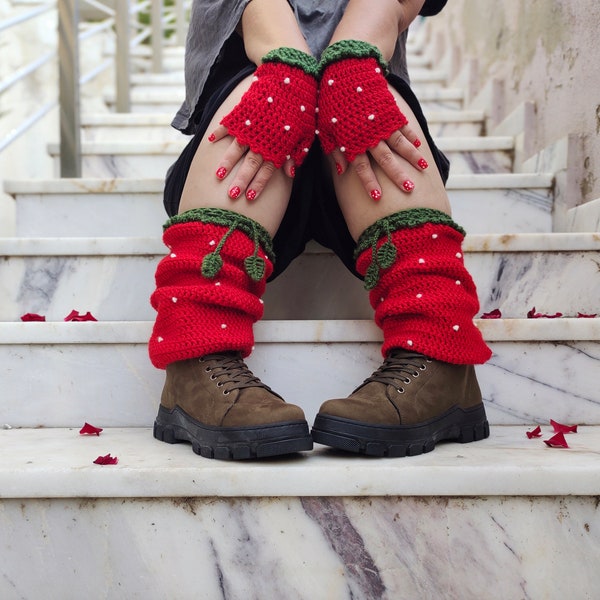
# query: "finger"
341, 164
401, 145
260, 181
411, 135
392, 166
218, 134
363, 169
230, 158
289, 168
245, 174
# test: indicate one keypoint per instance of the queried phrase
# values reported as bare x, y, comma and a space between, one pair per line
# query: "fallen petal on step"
32, 317
534, 433
560, 428
88, 429
494, 314
536, 315
106, 460
75, 316
584, 316
557, 441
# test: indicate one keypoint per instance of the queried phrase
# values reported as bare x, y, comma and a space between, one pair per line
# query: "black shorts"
313, 212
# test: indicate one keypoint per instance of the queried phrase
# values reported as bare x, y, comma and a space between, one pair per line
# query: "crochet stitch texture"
276, 117
199, 313
356, 108
425, 299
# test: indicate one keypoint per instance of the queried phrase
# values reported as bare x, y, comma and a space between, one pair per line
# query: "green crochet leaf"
255, 267
211, 265
371, 276
386, 255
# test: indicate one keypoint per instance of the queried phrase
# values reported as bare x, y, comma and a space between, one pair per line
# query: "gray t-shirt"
214, 50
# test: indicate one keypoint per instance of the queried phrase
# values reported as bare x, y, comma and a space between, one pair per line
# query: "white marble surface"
301, 548
101, 371
482, 203
48, 276
58, 463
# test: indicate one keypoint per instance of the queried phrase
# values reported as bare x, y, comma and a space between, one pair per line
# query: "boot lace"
231, 372
399, 369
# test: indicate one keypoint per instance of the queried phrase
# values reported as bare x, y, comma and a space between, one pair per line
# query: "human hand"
358, 116
274, 123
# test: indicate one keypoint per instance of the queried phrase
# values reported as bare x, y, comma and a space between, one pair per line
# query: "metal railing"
131, 23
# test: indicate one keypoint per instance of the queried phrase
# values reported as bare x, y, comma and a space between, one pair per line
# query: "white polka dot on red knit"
359, 89
371, 117
457, 282
377, 70
287, 127
217, 283
269, 99
303, 108
286, 80
223, 326
458, 255
261, 300
248, 122
409, 342
342, 148
330, 82
159, 339
333, 120
174, 300
455, 327
434, 236
212, 243
421, 261
419, 295
173, 255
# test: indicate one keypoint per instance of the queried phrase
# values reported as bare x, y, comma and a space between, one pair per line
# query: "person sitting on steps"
305, 127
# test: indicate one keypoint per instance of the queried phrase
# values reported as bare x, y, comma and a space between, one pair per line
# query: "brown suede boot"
404, 408
218, 405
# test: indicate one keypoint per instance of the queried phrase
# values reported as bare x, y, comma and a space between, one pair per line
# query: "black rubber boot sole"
457, 424
232, 443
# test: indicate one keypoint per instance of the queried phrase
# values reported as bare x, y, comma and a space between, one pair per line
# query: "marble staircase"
508, 517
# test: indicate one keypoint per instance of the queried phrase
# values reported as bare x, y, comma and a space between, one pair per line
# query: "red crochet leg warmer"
208, 288
423, 296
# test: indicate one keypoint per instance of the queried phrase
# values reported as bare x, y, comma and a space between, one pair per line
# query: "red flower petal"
106, 460
494, 314
32, 317
535, 433
536, 315
88, 429
560, 428
584, 316
75, 316
557, 441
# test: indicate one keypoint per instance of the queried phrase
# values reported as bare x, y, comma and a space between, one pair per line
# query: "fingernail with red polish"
417, 143
234, 192
212, 137
250, 195
423, 163
338, 168
375, 194
408, 186
221, 172
293, 171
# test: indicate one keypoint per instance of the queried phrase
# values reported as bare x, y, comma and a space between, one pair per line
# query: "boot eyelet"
226, 392
400, 390
207, 369
406, 380
213, 377
220, 384
416, 374
423, 367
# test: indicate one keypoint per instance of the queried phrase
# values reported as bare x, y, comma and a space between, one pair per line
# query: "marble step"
492, 511
167, 100
100, 372
139, 158
555, 272
110, 126
504, 203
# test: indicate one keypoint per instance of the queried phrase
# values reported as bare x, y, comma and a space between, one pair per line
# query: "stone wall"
544, 51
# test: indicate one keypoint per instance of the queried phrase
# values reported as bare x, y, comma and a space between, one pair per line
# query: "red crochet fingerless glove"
276, 117
356, 109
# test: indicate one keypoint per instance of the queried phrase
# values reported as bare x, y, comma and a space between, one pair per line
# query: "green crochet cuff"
351, 49
294, 58
404, 219
212, 263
